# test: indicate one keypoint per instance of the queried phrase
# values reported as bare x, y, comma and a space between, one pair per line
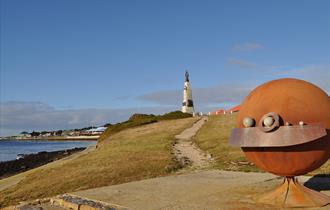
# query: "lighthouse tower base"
186, 109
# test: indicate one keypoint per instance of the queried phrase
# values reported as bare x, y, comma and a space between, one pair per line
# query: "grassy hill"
132, 154
141, 119
137, 149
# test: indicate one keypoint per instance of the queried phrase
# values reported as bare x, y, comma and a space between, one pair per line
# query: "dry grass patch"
213, 137
324, 170
133, 154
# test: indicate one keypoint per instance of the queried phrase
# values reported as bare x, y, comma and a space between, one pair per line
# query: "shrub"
138, 117
174, 115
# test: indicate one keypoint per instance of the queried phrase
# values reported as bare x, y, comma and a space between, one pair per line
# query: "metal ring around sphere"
276, 123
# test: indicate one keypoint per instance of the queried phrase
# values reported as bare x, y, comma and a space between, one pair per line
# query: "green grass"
132, 154
213, 138
324, 170
141, 119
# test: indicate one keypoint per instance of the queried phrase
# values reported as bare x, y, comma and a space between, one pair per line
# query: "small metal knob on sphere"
248, 122
268, 121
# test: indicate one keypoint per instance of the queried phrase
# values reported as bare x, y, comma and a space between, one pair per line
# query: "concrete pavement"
198, 190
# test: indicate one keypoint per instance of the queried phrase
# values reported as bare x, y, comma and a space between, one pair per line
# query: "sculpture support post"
292, 194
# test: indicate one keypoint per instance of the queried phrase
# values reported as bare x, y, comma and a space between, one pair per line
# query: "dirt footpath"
187, 152
200, 190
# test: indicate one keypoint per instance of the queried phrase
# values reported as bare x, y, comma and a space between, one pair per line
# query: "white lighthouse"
187, 104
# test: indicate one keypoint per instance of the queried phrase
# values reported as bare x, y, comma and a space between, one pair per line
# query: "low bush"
174, 115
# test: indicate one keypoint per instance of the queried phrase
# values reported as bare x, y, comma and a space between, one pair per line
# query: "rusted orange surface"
292, 194
294, 101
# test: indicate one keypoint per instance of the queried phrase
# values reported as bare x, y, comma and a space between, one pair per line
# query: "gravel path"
187, 152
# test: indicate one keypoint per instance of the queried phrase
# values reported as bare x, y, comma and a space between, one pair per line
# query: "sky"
70, 64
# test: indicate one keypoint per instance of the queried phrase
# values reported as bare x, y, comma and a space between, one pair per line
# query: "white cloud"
19, 116
318, 74
247, 46
242, 64
205, 99
208, 98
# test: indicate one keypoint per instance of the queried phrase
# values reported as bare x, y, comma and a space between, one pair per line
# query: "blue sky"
66, 64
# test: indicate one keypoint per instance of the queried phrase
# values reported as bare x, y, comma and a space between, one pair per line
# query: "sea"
9, 149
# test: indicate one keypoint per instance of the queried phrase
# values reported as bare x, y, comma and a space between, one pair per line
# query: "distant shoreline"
55, 138
30, 161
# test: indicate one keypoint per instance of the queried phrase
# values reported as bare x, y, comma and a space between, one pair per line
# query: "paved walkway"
200, 190
187, 152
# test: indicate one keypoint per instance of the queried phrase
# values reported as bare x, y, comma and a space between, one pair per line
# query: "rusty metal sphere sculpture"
291, 135
294, 101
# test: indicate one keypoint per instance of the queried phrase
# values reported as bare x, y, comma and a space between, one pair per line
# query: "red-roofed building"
222, 111
234, 109
218, 112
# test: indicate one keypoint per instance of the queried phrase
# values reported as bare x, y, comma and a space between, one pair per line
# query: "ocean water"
9, 149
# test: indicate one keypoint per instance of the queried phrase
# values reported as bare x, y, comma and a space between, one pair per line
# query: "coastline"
56, 138
34, 160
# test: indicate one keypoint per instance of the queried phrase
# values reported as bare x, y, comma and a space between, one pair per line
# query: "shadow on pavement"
319, 182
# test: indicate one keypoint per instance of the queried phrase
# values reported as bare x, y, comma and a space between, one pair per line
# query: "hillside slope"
133, 154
